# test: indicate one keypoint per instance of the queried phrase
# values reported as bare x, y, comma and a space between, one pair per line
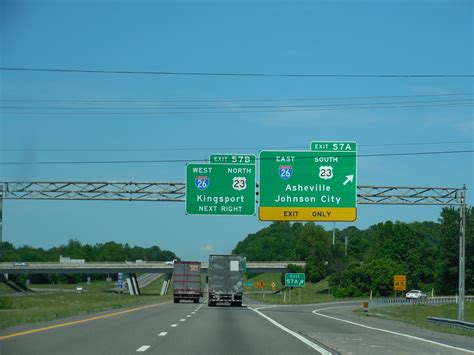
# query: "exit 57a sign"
316, 185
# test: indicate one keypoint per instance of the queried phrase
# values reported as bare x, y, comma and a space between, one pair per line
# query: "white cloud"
465, 126
208, 247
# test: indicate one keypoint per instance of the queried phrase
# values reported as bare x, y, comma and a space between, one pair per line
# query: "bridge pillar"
133, 287
166, 283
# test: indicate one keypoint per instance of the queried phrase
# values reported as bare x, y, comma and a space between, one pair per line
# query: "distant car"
415, 295
79, 289
21, 264
171, 262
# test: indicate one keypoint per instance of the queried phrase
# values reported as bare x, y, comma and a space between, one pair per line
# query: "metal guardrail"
425, 301
394, 302
452, 322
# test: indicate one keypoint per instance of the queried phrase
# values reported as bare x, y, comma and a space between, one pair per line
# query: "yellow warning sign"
399, 282
259, 284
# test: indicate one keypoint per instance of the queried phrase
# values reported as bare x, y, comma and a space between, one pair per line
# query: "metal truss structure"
176, 191
112, 191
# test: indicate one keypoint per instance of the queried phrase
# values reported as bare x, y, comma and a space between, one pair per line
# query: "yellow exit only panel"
343, 214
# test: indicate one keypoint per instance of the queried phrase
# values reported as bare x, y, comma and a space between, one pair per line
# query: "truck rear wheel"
211, 304
175, 300
196, 300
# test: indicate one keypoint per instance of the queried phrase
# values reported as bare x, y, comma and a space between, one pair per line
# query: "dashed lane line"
162, 334
174, 325
143, 348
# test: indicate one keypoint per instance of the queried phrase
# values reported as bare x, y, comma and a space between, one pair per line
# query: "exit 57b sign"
226, 186
316, 185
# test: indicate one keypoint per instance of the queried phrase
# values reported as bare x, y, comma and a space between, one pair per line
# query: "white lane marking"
296, 335
174, 325
143, 348
387, 331
188, 316
162, 334
193, 312
182, 320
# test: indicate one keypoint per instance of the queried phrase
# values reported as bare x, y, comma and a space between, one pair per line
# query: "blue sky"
282, 37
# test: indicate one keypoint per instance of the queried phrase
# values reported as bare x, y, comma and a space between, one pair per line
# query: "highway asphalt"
189, 328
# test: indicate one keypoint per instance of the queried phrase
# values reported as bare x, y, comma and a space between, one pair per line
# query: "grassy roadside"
416, 315
310, 293
37, 307
319, 292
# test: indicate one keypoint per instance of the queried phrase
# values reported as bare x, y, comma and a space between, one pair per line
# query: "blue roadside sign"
119, 280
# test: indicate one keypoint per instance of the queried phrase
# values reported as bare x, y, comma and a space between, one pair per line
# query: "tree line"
426, 252
109, 251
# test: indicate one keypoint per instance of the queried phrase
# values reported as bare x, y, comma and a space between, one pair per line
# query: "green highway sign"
249, 284
220, 189
317, 185
232, 158
294, 279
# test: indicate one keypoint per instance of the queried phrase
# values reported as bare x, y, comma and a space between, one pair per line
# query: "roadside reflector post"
365, 306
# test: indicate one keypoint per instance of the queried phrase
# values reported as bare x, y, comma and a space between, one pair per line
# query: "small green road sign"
232, 159
220, 189
317, 185
249, 284
294, 279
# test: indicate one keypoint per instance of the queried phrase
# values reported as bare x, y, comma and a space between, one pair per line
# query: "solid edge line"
296, 335
13, 335
315, 312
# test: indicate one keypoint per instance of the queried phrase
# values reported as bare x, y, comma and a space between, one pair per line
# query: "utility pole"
1, 221
346, 238
462, 254
334, 233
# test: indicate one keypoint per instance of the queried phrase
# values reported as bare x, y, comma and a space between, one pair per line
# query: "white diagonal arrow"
349, 178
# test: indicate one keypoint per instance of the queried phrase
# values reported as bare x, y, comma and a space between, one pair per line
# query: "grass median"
27, 308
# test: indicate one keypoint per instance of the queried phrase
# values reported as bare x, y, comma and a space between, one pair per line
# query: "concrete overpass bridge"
129, 267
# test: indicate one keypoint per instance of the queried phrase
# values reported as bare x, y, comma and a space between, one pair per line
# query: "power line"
205, 160
237, 100
230, 111
216, 148
232, 74
457, 101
